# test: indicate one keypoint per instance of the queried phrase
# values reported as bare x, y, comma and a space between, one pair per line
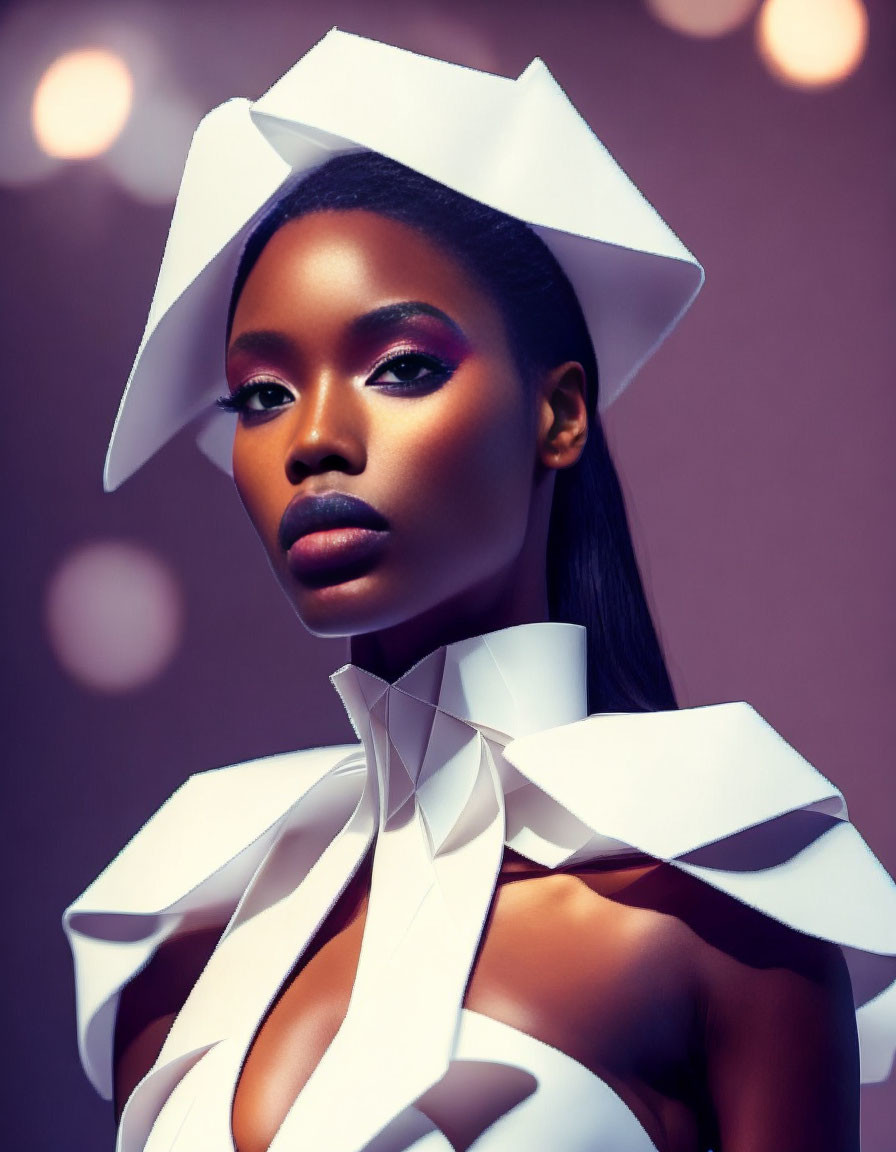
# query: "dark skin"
716, 1026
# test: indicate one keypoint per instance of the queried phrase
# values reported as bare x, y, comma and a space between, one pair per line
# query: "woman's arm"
781, 1045
149, 1003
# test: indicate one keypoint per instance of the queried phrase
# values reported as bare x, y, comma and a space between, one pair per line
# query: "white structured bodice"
527, 1095
482, 744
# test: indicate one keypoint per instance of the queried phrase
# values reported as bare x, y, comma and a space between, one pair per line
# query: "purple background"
756, 452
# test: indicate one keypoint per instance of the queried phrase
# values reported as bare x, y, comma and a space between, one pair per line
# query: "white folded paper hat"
516, 145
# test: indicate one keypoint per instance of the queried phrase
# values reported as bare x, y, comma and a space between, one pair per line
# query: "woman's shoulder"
739, 824
750, 999
672, 947
667, 912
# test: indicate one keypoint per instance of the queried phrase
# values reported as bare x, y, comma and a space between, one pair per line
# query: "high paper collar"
419, 732
513, 682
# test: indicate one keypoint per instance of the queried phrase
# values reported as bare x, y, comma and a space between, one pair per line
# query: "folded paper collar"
426, 729
516, 145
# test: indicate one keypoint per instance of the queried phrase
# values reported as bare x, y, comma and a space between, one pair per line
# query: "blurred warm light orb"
810, 43
113, 614
705, 18
81, 103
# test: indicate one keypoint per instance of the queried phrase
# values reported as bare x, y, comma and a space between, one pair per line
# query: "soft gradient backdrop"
756, 449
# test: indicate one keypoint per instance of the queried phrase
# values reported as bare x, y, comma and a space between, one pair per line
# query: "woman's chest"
555, 963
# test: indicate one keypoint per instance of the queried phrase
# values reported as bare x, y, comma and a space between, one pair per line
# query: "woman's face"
385, 447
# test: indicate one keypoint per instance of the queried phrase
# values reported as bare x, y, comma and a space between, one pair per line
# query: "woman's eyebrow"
260, 343
380, 319
271, 344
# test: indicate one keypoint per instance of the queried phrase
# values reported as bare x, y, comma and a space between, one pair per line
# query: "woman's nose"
328, 431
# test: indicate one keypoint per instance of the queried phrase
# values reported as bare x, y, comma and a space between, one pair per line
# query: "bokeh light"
703, 18
811, 43
81, 103
113, 614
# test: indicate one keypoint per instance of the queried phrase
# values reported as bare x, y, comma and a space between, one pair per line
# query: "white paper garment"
482, 744
517, 145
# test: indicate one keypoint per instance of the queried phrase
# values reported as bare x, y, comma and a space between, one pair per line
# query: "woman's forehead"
348, 262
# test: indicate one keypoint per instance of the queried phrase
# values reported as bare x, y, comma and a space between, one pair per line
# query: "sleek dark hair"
592, 573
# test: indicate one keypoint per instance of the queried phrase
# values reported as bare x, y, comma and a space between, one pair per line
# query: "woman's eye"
411, 369
257, 396
261, 397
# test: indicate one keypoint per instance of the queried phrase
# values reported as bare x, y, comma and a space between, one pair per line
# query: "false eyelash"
235, 401
230, 402
439, 368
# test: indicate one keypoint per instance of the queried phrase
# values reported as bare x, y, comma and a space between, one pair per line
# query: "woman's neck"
391, 652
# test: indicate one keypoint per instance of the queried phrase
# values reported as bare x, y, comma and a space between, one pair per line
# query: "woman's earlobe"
563, 415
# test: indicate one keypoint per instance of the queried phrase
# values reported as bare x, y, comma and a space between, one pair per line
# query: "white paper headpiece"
516, 145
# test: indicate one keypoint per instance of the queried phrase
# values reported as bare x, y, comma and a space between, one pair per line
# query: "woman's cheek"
468, 475
262, 487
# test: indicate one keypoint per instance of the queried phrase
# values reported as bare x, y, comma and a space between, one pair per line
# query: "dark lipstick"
330, 538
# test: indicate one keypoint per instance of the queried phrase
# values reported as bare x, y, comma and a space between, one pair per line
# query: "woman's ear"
562, 415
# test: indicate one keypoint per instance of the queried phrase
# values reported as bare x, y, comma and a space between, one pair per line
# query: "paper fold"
516, 145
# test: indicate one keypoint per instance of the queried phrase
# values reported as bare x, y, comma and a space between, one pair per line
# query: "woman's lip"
308, 514
333, 555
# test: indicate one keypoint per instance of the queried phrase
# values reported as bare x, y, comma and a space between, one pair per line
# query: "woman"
494, 924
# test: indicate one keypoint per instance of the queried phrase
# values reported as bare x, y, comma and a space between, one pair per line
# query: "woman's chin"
345, 605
